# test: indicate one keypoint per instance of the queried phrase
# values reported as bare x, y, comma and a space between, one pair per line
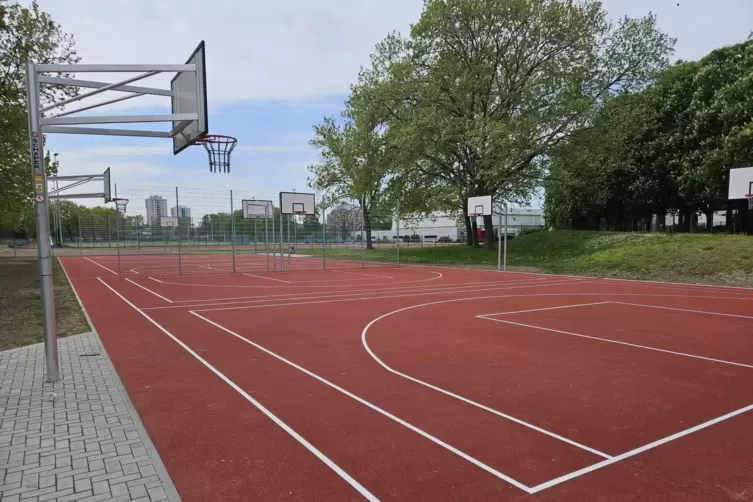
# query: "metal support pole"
398, 232
177, 214
499, 241
266, 234
80, 238
324, 239
109, 238
290, 265
44, 249
504, 261
117, 237
282, 256
232, 228
363, 234
274, 239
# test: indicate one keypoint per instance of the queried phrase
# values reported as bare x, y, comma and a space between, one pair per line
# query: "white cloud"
291, 50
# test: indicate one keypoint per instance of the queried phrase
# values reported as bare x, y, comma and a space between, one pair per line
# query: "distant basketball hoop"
120, 205
219, 147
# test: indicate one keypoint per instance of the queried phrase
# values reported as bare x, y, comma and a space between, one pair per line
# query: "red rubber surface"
425, 444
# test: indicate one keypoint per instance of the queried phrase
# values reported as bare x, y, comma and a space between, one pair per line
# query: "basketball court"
427, 383
277, 375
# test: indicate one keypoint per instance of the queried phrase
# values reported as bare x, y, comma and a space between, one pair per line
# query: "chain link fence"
167, 230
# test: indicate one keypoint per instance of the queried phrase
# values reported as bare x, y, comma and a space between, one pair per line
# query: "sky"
274, 70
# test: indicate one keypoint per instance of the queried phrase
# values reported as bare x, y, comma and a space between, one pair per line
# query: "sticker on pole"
39, 197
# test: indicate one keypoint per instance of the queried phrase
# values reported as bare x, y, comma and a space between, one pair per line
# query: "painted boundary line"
646, 282
489, 317
374, 407
294, 284
311, 448
100, 265
351, 299
267, 278
148, 290
632, 453
463, 399
156, 460
342, 294
585, 470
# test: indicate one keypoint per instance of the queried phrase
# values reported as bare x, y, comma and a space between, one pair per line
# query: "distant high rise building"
180, 211
156, 207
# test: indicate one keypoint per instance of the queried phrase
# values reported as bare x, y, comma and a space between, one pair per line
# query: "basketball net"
121, 205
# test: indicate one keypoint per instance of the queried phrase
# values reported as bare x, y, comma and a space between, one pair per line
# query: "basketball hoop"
120, 205
750, 200
219, 147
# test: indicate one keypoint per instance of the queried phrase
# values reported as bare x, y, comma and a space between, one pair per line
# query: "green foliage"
482, 91
666, 148
26, 34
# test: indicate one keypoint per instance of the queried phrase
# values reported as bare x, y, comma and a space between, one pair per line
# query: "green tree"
483, 90
26, 34
355, 163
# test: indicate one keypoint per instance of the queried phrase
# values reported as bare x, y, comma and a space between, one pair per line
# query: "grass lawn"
703, 258
21, 306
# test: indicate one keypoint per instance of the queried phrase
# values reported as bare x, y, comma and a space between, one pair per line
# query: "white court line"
297, 285
631, 453
609, 340
374, 407
331, 296
268, 278
370, 291
100, 265
388, 296
546, 308
361, 274
148, 290
685, 310
446, 392
321, 456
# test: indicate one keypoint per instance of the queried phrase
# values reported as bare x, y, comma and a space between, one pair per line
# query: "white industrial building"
438, 226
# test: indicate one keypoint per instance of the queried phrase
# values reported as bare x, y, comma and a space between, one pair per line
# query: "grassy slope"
713, 259
21, 306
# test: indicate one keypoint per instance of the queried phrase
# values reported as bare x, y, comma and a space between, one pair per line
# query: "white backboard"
740, 182
296, 203
481, 205
189, 91
168, 221
257, 209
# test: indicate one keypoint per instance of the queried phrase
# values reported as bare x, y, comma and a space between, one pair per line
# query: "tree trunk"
709, 220
729, 219
474, 232
468, 232
489, 237
367, 227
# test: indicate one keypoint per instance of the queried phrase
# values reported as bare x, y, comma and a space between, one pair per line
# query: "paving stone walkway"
77, 439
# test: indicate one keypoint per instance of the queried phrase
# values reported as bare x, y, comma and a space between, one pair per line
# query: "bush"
444, 238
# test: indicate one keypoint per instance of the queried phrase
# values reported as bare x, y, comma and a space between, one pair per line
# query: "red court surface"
418, 383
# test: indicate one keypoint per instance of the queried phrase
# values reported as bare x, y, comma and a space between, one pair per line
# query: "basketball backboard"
480, 206
740, 182
168, 221
257, 209
297, 203
189, 95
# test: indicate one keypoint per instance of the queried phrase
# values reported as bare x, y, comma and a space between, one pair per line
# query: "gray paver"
77, 439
